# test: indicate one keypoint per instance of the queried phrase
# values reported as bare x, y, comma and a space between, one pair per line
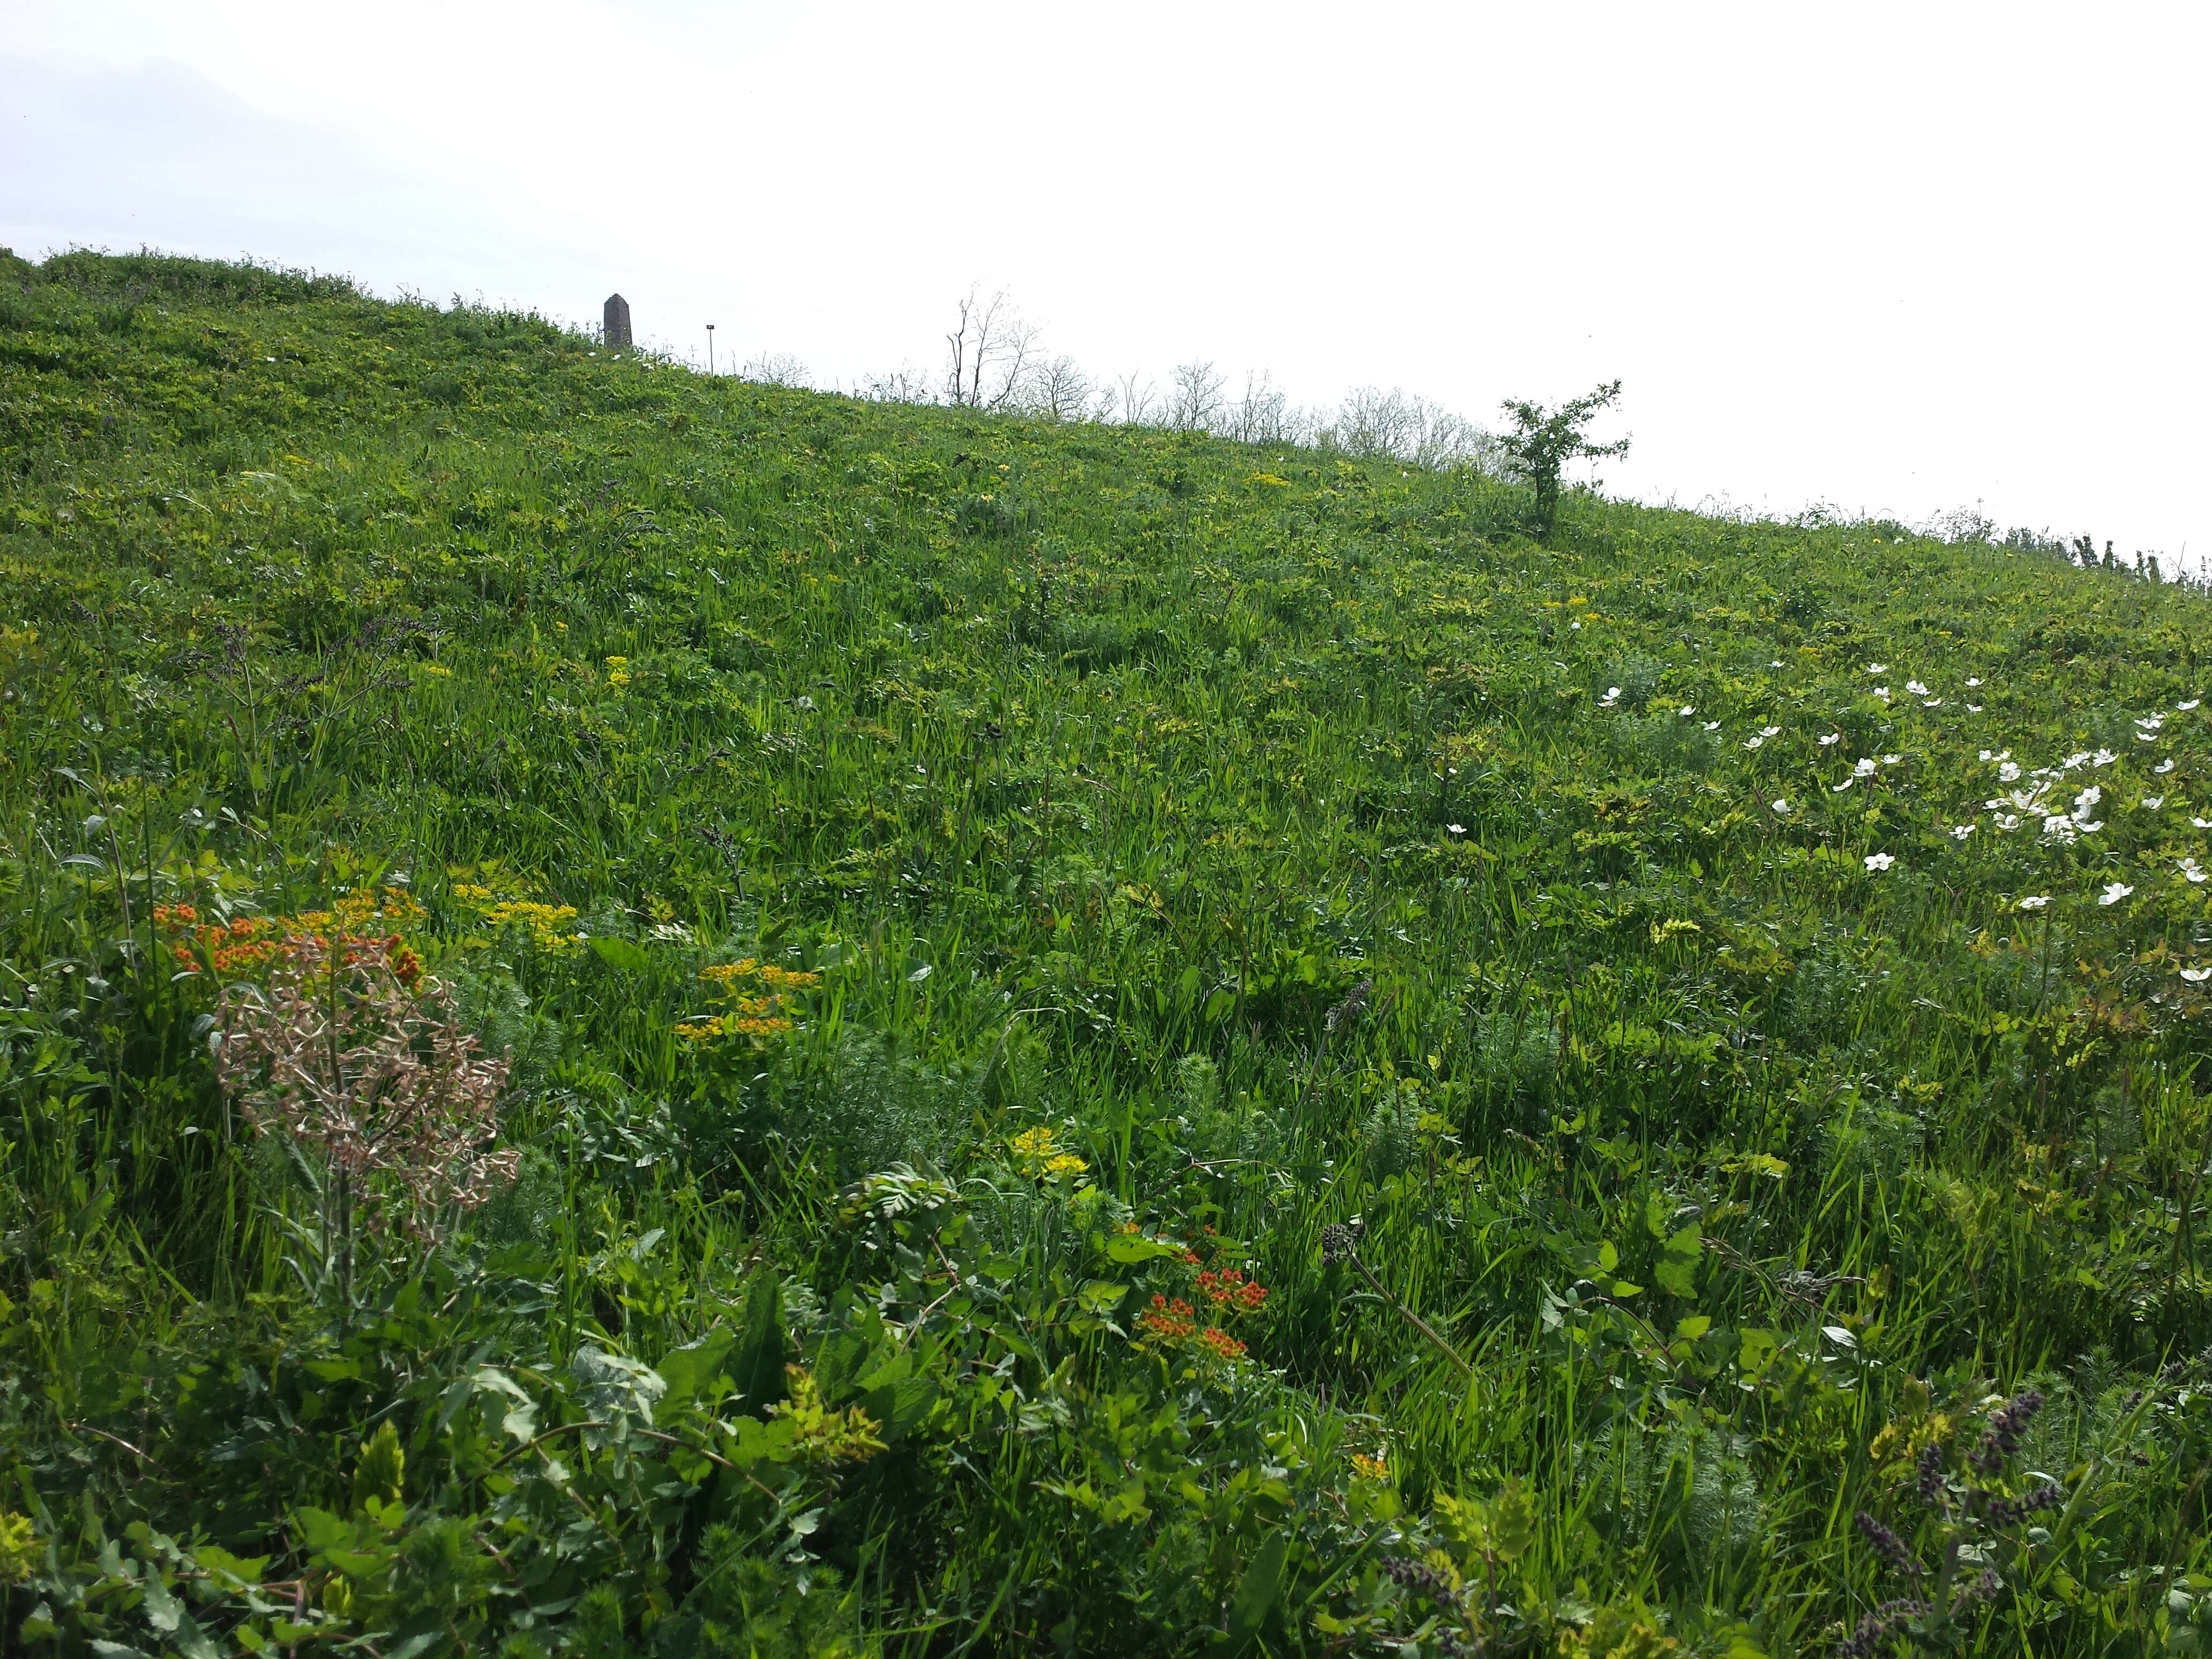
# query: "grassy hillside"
1101, 1041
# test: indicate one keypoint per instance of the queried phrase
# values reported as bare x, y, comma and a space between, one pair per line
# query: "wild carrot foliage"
940, 914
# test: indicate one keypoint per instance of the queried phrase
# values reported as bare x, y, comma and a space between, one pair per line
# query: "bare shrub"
990, 352
774, 368
1372, 424
1059, 390
1194, 402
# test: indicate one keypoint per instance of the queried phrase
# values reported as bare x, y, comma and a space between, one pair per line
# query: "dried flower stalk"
377, 1082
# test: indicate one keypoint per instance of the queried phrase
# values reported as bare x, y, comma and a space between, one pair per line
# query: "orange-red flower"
1231, 1292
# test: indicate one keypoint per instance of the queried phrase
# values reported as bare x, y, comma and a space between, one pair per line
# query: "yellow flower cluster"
548, 924
1042, 1158
618, 672
756, 993
765, 975
382, 910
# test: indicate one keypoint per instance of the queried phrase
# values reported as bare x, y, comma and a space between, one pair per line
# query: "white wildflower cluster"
2062, 806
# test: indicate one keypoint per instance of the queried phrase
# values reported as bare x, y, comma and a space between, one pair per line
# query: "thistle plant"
1970, 1510
1341, 1241
372, 1082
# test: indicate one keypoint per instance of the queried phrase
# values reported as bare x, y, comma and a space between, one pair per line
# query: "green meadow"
1082, 1039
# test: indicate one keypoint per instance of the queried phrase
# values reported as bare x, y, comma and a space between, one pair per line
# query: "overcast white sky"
1900, 258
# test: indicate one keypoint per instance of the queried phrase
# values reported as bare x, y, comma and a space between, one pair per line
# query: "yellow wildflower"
1042, 1158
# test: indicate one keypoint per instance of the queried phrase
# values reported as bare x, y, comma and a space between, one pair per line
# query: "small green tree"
1544, 440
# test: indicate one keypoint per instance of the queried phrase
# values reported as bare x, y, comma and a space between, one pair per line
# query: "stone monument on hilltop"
615, 334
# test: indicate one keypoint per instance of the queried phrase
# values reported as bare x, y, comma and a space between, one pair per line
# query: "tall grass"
1091, 770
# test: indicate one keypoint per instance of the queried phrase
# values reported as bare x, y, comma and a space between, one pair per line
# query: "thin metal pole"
710, 348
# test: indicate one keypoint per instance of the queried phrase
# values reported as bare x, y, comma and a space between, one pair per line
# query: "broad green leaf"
621, 953
689, 1369
1677, 1269
1256, 1592
757, 1358
900, 1407
1129, 1249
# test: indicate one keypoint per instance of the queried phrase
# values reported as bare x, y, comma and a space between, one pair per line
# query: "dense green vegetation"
1113, 1042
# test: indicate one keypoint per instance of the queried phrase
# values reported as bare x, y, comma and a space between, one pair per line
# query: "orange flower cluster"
1231, 1292
1220, 1344
244, 946
1169, 1323
1175, 1324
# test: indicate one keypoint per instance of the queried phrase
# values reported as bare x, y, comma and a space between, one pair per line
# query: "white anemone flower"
2194, 873
2202, 824
1776, 663
1961, 831
2103, 757
2163, 768
1891, 759
2197, 975
2061, 831
1612, 696
1574, 628
2087, 798
1970, 683
2152, 803
1770, 731
2150, 722
1687, 710
1877, 862
1931, 702
1877, 668
2081, 758
1456, 828
2034, 902
2008, 822
2184, 708
1832, 738
1780, 807
1916, 687
1864, 769
2113, 893
1713, 726
2008, 773
1973, 709
1753, 743
1881, 692
1840, 788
